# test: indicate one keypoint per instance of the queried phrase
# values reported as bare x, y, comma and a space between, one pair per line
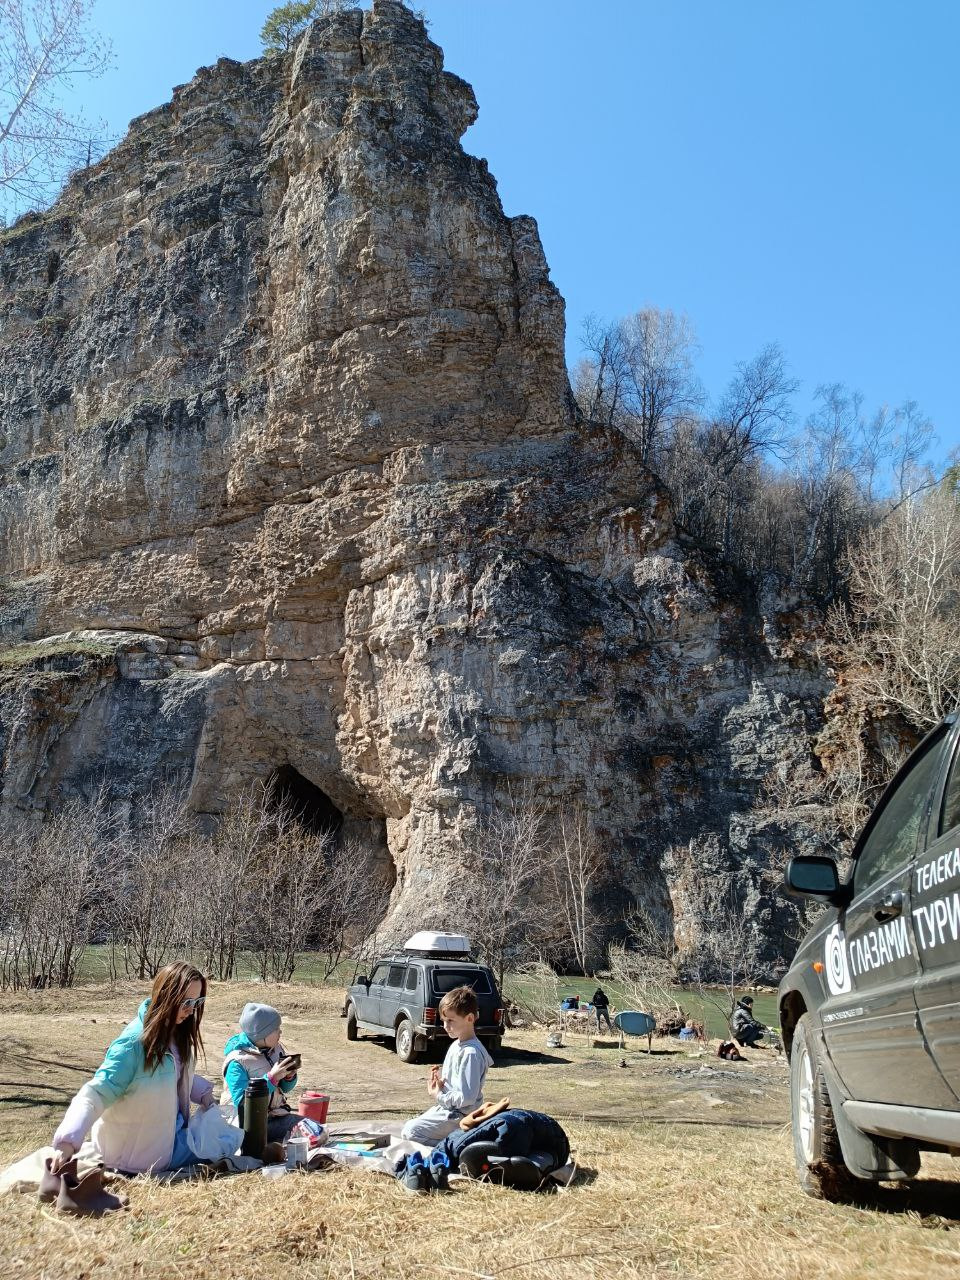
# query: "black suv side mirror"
809, 876
363, 980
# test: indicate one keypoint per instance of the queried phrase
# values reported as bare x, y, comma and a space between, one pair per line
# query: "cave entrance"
310, 806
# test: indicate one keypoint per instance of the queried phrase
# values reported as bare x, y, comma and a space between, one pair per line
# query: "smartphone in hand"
291, 1063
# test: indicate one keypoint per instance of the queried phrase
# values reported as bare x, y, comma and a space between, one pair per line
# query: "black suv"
870, 1008
402, 995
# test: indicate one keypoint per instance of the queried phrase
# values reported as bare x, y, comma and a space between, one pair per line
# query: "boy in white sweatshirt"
457, 1086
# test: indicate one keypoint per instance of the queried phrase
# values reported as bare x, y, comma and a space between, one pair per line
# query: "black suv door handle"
890, 907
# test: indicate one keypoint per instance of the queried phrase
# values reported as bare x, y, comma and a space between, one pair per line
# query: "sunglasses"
193, 1003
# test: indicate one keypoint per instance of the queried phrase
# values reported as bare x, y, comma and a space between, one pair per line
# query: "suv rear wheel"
816, 1145
405, 1042
491, 1044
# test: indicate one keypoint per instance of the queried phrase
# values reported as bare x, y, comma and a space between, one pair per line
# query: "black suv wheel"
405, 1042
816, 1145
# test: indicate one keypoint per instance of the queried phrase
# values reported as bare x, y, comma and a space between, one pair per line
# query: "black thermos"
256, 1101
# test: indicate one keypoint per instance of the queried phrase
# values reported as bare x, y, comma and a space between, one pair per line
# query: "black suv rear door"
936, 922
870, 1021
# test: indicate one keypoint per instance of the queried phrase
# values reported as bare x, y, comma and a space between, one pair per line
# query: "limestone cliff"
291, 476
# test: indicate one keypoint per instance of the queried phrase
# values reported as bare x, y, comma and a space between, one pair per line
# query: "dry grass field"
684, 1170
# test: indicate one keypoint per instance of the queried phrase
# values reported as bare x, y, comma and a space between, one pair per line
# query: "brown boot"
49, 1187
86, 1197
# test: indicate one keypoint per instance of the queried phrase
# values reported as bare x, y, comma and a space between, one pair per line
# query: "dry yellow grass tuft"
654, 1197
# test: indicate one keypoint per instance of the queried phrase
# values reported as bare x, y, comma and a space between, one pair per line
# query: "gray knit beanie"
258, 1020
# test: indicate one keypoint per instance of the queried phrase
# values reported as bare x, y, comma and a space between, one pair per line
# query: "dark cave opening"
310, 806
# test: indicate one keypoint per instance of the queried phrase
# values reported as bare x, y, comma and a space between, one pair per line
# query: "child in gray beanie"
257, 1052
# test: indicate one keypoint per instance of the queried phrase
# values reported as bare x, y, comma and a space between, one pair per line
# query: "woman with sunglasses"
138, 1101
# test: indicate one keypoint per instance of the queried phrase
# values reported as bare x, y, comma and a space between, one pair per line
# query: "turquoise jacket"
250, 1063
136, 1115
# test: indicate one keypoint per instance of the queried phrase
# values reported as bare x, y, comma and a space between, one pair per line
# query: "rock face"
292, 477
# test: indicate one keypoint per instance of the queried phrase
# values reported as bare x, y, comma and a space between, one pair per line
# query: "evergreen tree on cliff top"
287, 21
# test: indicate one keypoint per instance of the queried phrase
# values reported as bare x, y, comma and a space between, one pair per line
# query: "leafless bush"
535, 989
55, 878
646, 968
288, 894
226, 873
725, 961
151, 886
902, 640
155, 908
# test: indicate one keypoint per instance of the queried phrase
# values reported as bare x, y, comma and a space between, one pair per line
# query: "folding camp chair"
632, 1023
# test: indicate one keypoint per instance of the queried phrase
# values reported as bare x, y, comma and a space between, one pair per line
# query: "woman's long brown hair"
170, 988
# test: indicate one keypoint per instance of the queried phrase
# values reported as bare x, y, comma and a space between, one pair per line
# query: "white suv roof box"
437, 943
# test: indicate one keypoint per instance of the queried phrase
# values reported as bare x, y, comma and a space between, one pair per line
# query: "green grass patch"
29, 654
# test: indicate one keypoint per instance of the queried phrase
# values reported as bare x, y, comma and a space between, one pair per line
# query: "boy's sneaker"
439, 1170
413, 1174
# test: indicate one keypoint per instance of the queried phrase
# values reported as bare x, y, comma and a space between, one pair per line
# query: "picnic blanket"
24, 1175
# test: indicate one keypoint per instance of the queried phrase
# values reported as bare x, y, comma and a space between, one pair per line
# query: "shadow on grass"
502, 1058
935, 1201
510, 1057
49, 1062
25, 1100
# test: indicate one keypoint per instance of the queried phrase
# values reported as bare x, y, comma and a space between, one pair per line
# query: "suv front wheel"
816, 1145
405, 1042
352, 1021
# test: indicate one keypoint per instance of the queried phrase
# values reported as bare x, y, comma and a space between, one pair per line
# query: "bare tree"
44, 46
356, 893
289, 895
905, 584
575, 862
505, 889
638, 375
601, 377
755, 412
156, 906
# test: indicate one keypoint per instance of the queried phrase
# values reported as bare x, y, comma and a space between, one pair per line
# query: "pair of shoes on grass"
418, 1176
82, 1195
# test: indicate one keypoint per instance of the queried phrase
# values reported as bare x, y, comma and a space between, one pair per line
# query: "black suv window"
893, 840
446, 979
412, 975
950, 813
395, 977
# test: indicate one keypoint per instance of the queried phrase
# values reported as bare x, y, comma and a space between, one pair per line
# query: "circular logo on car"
835, 962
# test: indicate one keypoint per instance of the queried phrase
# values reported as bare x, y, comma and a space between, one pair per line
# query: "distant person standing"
601, 1007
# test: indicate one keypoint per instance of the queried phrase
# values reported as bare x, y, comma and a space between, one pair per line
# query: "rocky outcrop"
291, 477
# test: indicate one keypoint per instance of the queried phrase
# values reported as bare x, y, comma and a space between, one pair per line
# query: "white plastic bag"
211, 1136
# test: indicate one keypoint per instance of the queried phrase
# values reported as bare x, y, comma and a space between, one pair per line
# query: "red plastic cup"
313, 1105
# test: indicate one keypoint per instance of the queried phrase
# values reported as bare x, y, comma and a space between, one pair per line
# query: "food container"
314, 1105
298, 1152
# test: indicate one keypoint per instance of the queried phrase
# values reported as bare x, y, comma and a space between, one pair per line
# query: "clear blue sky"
780, 171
